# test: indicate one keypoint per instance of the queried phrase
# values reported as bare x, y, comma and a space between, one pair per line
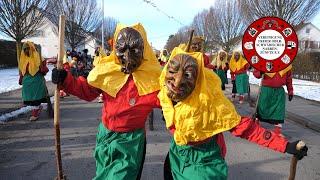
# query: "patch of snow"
11, 115
16, 113
10, 79
306, 89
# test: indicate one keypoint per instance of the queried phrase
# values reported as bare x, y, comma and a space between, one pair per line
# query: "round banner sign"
270, 44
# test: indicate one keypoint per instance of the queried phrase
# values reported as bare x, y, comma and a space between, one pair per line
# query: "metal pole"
102, 28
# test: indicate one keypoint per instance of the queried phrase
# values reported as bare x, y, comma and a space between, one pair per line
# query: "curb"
303, 121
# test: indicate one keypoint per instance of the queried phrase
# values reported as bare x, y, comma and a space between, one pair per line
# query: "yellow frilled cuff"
282, 72
203, 114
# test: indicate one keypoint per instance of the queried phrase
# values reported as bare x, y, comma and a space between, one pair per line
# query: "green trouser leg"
119, 155
201, 162
222, 77
33, 87
271, 105
242, 82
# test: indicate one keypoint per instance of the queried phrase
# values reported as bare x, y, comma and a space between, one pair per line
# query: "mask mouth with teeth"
181, 76
129, 49
236, 56
196, 45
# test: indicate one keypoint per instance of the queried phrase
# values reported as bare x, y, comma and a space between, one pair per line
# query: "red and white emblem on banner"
270, 44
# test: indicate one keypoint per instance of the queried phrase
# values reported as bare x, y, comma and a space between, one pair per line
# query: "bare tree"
110, 25
81, 18
223, 24
198, 23
293, 11
180, 37
20, 19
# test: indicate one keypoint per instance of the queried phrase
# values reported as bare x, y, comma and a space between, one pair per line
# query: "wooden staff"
57, 99
294, 161
190, 41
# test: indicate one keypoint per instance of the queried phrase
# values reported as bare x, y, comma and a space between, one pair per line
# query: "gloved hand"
20, 80
58, 75
255, 116
290, 97
299, 154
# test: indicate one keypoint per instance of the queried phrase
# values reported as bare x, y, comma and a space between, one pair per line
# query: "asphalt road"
27, 148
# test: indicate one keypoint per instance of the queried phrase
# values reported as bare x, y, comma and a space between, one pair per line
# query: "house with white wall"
309, 37
48, 39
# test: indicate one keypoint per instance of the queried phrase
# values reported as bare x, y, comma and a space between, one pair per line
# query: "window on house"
308, 30
39, 33
312, 44
306, 43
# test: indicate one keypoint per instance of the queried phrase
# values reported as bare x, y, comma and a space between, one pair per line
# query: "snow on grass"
16, 113
11, 115
306, 89
9, 79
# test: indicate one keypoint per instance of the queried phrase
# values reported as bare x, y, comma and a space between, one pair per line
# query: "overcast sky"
157, 24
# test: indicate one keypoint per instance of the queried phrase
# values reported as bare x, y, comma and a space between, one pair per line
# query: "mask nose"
178, 80
126, 55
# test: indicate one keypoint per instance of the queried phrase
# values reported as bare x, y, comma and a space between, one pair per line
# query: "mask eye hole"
136, 50
188, 75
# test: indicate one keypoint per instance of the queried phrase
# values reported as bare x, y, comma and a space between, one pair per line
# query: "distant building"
47, 37
309, 37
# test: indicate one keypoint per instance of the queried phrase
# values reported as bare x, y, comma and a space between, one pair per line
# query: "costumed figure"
272, 100
220, 63
197, 45
238, 70
128, 80
32, 71
164, 57
195, 111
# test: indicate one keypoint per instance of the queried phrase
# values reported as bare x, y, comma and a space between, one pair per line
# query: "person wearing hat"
195, 111
197, 45
32, 70
238, 70
220, 62
128, 80
272, 100
164, 56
